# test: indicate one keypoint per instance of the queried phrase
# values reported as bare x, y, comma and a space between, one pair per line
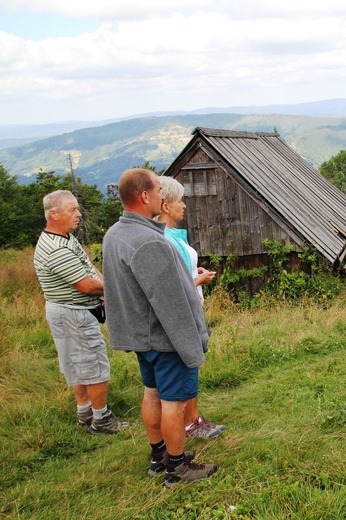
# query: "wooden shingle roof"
313, 207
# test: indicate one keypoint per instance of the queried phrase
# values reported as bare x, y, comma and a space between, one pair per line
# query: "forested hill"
100, 154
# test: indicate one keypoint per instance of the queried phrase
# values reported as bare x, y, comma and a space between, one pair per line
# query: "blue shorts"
167, 372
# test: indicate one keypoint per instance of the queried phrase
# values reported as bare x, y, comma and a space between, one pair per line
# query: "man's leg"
164, 420
81, 394
152, 414
99, 419
91, 402
96, 394
173, 427
179, 466
153, 419
84, 409
164, 416
191, 411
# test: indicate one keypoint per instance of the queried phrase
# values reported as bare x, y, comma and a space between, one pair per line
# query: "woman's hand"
204, 276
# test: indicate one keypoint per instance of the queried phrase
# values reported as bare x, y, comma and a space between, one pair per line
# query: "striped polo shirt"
61, 262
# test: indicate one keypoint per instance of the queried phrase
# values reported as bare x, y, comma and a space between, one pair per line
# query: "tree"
111, 208
335, 170
21, 209
148, 166
90, 200
11, 211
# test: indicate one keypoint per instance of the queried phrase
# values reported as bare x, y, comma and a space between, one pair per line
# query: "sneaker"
158, 466
203, 420
189, 472
85, 418
108, 425
202, 430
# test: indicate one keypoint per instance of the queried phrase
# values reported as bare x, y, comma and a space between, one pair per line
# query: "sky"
83, 60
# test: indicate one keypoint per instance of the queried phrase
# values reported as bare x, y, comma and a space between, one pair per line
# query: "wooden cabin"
244, 187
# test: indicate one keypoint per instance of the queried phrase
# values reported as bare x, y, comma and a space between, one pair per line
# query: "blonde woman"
172, 212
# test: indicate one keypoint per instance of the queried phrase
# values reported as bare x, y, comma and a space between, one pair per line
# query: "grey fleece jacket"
150, 296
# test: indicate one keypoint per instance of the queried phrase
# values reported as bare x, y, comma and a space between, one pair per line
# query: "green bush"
310, 281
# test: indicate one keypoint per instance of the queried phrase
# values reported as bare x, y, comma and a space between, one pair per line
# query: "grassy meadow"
275, 375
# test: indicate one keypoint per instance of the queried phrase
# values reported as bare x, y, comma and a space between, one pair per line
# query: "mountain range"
99, 151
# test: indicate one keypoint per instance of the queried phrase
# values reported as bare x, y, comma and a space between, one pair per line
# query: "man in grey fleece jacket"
153, 309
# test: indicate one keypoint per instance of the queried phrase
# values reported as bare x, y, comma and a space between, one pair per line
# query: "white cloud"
109, 9
136, 9
204, 41
205, 52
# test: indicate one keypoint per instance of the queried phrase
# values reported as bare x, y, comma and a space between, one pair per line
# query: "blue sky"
80, 60
35, 26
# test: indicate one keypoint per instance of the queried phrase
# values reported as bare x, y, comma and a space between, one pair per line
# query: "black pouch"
99, 313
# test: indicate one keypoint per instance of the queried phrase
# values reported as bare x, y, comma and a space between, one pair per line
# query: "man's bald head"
133, 182
140, 191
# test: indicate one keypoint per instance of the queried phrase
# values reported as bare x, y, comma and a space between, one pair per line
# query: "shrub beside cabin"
244, 187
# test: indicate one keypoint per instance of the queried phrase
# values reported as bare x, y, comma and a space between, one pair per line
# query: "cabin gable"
221, 216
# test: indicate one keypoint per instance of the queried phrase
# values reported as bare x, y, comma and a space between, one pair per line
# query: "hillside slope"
101, 154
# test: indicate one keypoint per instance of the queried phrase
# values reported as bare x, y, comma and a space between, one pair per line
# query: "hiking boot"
158, 466
203, 420
85, 418
108, 425
189, 471
202, 430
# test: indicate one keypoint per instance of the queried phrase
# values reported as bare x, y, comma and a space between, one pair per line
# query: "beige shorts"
80, 345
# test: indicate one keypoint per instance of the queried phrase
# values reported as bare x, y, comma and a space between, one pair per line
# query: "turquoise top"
177, 237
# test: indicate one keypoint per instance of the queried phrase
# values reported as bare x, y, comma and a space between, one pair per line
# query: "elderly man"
154, 310
72, 287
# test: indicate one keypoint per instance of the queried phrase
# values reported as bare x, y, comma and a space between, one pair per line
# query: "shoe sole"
213, 436
179, 480
122, 426
153, 473
92, 432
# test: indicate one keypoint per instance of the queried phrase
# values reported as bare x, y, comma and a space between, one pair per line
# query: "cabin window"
199, 183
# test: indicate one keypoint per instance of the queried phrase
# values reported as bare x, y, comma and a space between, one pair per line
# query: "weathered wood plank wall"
221, 217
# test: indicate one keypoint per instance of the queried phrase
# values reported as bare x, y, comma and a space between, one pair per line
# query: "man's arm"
91, 286
66, 264
168, 285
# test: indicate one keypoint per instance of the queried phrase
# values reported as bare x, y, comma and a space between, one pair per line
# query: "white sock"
98, 414
83, 407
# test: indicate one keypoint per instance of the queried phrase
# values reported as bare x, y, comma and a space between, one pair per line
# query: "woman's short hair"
172, 190
55, 201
